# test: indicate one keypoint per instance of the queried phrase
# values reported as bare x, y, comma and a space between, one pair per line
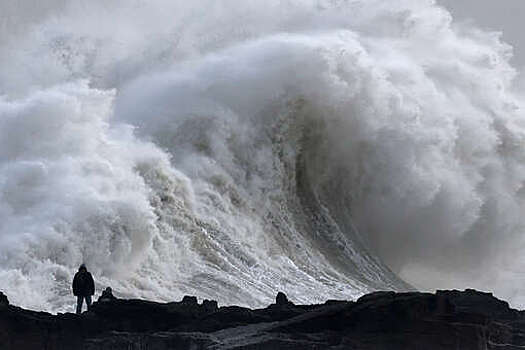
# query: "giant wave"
230, 149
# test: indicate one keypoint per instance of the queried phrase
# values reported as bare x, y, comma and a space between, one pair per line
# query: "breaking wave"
232, 149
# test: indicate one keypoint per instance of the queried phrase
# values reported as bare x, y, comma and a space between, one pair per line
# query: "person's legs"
80, 300
88, 302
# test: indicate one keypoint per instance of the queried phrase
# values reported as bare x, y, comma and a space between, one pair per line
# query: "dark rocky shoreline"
382, 320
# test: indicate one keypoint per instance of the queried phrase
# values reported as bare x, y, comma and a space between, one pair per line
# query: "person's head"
108, 290
82, 268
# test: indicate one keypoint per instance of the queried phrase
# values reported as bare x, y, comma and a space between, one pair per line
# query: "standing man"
83, 287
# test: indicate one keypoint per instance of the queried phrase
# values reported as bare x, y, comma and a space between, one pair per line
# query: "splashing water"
230, 149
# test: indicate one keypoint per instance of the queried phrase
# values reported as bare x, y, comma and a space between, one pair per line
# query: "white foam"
228, 149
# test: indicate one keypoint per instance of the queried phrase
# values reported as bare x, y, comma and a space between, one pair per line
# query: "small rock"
3, 300
189, 300
107, 295
210, 305
282, 299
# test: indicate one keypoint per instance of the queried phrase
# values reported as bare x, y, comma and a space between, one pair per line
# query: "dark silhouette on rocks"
282, 300
210, 305
83, 287
467, 320
189, 300
107, 295
4, 302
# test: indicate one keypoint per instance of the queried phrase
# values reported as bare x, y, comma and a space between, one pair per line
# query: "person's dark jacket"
83, 284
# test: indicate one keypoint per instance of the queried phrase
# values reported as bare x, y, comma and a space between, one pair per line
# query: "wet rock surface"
382, 320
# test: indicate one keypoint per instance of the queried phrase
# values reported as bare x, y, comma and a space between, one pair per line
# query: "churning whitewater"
231, 149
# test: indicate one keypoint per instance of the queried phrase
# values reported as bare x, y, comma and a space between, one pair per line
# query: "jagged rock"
468, 320
107, 295
189, 300
4, 302
281, 299
210, 305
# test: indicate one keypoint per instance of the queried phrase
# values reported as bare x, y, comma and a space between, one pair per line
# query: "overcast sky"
506, 16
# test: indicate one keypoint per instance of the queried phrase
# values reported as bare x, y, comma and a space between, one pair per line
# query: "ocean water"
233, 149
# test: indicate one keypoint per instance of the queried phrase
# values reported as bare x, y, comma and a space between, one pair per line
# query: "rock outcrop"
383, 320
4, 302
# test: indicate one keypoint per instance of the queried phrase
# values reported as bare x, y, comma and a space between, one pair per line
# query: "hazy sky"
502, 15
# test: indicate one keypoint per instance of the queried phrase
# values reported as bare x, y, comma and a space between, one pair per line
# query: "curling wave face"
231, 149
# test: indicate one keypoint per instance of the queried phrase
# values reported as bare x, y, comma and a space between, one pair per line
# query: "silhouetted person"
83, 287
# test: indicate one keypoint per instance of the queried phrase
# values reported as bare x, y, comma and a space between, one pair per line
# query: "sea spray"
232, 149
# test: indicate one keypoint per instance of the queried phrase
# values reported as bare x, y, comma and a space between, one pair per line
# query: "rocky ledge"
382, 320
